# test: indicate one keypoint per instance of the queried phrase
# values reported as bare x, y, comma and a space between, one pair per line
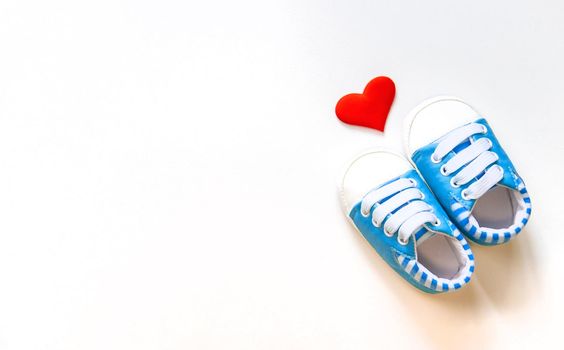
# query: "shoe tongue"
422, 235
462, 146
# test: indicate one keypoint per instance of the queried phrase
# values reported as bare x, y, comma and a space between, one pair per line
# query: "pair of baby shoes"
457, 183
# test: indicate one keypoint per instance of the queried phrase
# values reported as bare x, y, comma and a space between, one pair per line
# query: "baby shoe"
391, 206
456, 152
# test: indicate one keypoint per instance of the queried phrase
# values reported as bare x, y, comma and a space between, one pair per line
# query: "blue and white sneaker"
458, 155
390, 205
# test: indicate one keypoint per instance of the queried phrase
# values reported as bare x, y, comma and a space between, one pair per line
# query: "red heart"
370, 108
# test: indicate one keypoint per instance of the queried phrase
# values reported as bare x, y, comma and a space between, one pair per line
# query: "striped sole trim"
428, 280
472, 229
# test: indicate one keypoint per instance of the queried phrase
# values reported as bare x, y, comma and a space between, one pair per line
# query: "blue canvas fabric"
403, 258
458, 208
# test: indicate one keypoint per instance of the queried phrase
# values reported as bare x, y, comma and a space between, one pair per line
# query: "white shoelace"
408, 219
473, 160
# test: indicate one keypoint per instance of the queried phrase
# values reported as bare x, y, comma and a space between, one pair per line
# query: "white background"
169, 168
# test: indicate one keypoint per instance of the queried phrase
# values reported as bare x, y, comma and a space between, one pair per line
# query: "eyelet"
484, 129
413, 182
364, 214
437, 222
435, 160
421, 195
375, 223
402, 242
489, 142
454, 184
389, 234
443, 170
464, 195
